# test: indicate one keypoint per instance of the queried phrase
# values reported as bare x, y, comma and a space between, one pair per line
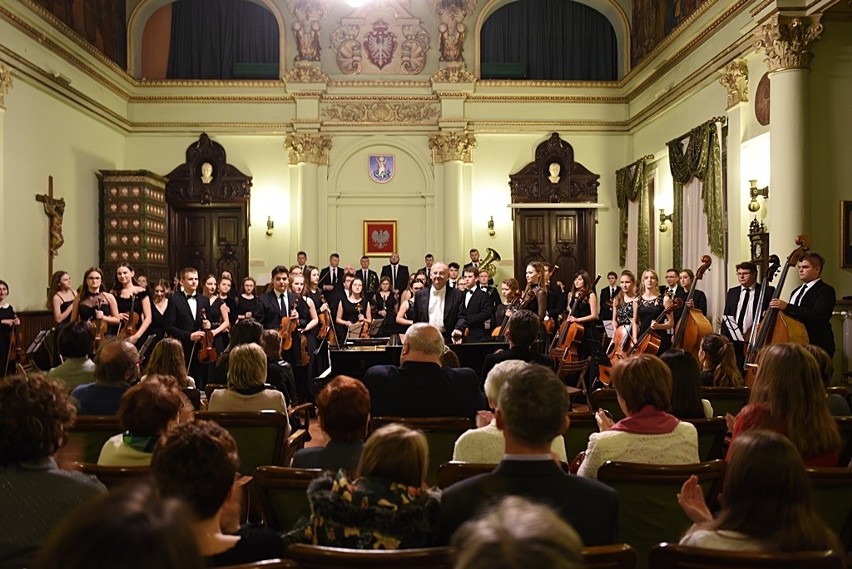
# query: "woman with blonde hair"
718, 362
647, 309
788, 397
167, 359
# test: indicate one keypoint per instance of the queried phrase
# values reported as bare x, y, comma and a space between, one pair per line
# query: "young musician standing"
185, 322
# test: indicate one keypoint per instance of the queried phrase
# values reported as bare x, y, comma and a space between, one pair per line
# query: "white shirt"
193, 302
797, 297
748, 319
437, 300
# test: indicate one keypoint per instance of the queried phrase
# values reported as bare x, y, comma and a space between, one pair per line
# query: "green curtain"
632, 184
702, 159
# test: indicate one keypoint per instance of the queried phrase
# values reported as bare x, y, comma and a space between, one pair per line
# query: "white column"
5, 86
451, 150
308, 152
735, 81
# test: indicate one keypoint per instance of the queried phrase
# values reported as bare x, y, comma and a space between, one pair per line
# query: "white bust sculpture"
554, 169
207, 172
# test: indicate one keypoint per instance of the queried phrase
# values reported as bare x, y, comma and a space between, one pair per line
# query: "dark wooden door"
210, 239
564, 237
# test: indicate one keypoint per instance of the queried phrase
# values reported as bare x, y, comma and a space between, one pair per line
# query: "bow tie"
189, 295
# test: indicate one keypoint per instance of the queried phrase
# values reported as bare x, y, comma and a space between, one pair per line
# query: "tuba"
489, 262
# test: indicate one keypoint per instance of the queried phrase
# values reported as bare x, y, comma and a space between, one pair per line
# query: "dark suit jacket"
272, 314
557, 302
814, 311
371, 284
732, 298
401, 276
700, 300
179, 320
516, 353
479, 311
455, 315
591, 507
605, 303
420, 389
325, 278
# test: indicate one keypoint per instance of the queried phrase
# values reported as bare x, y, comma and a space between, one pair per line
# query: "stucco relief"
5, 84
305, 72
381, 112
787, 40
452, 29
306, 147
451, 146
307, 27
735, 81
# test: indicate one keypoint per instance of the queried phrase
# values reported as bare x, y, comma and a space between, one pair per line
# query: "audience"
718, 362
532, 409
647, 434
279, 373
35, 495
764, 469
132, 529
147, 410
116, 367
76, 343
788, 397
486, 444
838, 406
197, 462
386, 505
521, 331
343, 413
420, 387
167, 358
517, 534
686, 386
246, 331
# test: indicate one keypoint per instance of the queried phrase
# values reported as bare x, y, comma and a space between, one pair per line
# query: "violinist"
159, 307
585, 313
277, 302
699, 299
210, 288
221, 308
557, 301
538, 304
405, 312
93, 303
61, 297
384, 306
304, 338
741, 302
648, 307
812, 302
8, 320
131, 300
185, 322
354, 307
477, 306
247, 302
510, 290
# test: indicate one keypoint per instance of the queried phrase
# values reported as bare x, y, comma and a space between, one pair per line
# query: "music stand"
143, 351
37, 342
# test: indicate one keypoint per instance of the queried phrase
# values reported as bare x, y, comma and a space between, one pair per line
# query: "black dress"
220, 341
245, 305
351, 309
6, 313
389, 305
125, 305
63, 306
581, 310
648, 311
158, 322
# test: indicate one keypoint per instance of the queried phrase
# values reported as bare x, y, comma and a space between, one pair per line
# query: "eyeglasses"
743, 274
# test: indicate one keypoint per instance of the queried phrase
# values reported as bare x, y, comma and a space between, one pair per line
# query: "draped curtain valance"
631, 184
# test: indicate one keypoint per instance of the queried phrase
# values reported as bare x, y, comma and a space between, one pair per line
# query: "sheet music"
610, 330
731, 323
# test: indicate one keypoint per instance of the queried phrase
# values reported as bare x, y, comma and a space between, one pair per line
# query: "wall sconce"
754, 191
270, 226
491, 231
663, 219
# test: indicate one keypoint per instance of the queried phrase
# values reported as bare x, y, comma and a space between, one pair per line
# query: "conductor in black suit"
478, 307
185, 322
528, 468
521, 331
331, 277
607, 294
420, 387
398, 274
812, 302
741, 302
441, 306
699, 299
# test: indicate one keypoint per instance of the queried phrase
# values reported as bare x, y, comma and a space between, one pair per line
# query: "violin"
285, 331
649, 341
99, 326
207, 353
365, 324
520, 303
570, 336
128, 329
17, 345
693, 325
325, 322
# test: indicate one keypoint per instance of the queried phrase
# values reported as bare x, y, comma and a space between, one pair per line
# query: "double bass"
566, 344
693, 325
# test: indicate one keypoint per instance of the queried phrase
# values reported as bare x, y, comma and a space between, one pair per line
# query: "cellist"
648, 307
699, 299
584, 301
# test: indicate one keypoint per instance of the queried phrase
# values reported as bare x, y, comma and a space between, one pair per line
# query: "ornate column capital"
451, 146
735, 81
305, 147
304, 72
5, 84
787, 40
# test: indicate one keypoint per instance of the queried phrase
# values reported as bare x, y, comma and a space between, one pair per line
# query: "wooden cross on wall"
54, 208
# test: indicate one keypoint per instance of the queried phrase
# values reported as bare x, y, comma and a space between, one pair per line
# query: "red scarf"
648, 421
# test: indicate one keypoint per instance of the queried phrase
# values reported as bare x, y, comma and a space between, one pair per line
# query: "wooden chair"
441, 434
711, 437
319, 557
259, 436
454, 471
267, 564
87, 437
670, 556
607, 399
194, 396
573, 375
211, 387
576, 438
282, 493
299, 437
648, 512
831, 494
726, 399
115, 476
618, 556
844, 425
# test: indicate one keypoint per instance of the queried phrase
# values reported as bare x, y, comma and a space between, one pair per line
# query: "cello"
777, 327
749, 336
618, 348
17, 351
649, 341
693, 325
520, 303
567, 343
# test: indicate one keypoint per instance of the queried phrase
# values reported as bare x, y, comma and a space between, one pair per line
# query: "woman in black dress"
584, 304
384, 306
131, 300
94, 304
62, 297
510, 290
405, 312
648, 307
248, 304
353, 306
537, 301
222, 306
158, 310
8, 319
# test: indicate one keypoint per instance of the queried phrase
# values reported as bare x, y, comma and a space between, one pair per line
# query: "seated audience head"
150, 407
824, 363
246, 367
131, 529
498, 376
515, 534
642, 380
271, 343
167, 358
35, 414
423, 343
343, 409
247, 331
523, 328
397, 453
532, 408
686, 384
196, 462
450, 359
76, 340
717, 354
117, 362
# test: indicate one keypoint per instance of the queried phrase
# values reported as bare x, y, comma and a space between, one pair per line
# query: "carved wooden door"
564, 237
211, 240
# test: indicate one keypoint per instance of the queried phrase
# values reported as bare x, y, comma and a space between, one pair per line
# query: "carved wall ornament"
5, 84
452, 31
554, 160
787, 40
304, 72
206, 160
381, 112
453, 73
735, 81
306, 28
306, 147
450, 146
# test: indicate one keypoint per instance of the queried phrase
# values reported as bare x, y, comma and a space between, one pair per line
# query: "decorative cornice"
304, 72
735, 81
5, 84
451, 146
787, 41
453, 73
381, 111
212, 99
578, 100
306, 147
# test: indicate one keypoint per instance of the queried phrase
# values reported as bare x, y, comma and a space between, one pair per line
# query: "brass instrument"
489, 262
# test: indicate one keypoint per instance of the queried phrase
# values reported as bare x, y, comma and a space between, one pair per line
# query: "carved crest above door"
554, 177
206, 176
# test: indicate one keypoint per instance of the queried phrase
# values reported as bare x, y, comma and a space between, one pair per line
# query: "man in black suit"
474, 260
429, 259
484, 282
185, 322
741, 302
420, 387
478, 308
441, 306
589, 506
368, 277
453, 272
302, 261
607, 294
521, 332
331, 277
699, 299
812, 303
398, 274
278, 302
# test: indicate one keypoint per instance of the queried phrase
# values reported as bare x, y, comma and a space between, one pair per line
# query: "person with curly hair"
35, 415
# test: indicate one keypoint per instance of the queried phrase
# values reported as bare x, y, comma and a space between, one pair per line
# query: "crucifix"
54, 208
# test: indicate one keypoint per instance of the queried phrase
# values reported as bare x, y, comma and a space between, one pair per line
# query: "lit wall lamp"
270, 226
491, 231
753, 206
663, 219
